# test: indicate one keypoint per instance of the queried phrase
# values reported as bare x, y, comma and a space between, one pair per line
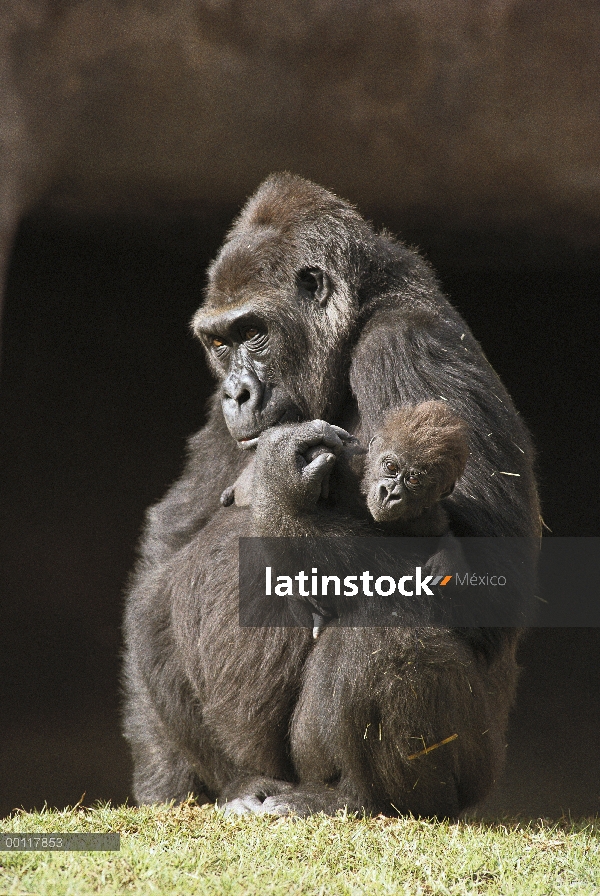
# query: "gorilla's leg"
161, 771
397, 720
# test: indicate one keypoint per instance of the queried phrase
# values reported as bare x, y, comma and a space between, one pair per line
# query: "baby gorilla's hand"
448, 560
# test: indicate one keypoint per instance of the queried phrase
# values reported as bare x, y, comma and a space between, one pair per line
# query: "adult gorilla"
310, 314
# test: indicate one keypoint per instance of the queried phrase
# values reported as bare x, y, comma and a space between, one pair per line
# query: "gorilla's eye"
391, 467
216, 342
250, 333
413, 478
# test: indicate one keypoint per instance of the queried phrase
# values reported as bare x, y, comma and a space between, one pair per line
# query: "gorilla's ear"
316, 283
449, 492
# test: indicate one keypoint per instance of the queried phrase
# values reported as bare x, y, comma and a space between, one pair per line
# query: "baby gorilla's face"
398, 489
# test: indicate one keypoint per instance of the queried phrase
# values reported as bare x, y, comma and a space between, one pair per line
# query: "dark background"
101, 384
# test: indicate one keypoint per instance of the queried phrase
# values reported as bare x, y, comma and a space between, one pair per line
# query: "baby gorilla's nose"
389, 492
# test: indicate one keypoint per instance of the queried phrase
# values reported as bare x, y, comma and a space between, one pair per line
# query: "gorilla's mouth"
385, 508
248, 443
290, 415
391, 510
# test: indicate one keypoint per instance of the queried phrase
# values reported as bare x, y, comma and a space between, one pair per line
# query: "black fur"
350, 324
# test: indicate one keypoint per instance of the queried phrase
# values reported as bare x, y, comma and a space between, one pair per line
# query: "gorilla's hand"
293, 464
449, 559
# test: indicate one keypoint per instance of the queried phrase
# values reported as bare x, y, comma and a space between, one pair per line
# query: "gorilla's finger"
319, 467
315, 451
348, 439
344, 435
319, 432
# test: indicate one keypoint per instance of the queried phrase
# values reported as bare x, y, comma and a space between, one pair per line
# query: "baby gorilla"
414, 461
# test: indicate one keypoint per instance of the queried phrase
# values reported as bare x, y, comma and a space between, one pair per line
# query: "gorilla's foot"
289, 800
250, 796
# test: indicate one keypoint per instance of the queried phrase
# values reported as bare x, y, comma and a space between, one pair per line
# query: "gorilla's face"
396, 487
242, 347
274, 335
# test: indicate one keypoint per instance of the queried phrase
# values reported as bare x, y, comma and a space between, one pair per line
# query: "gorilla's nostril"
240, 395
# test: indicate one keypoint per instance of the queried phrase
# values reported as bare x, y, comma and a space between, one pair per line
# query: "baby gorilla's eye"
250, 333
413, 478
391, 467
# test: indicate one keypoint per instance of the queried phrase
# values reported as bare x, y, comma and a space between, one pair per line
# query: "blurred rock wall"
455, 113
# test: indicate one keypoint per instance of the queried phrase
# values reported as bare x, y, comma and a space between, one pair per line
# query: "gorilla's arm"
291, 473
213, 461
428, 352
208, 701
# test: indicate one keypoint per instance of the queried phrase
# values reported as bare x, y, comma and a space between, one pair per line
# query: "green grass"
195, 850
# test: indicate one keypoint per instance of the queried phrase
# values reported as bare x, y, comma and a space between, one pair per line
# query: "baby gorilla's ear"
448, 492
